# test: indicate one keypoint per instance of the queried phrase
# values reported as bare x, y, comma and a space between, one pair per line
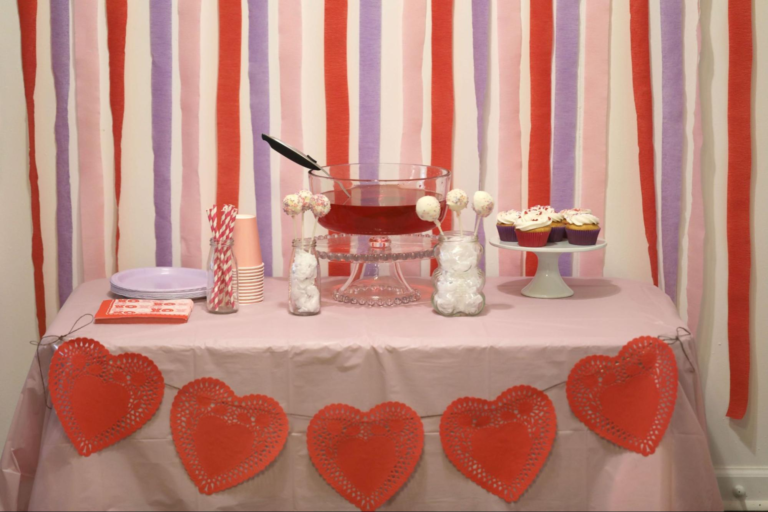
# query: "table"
362, 357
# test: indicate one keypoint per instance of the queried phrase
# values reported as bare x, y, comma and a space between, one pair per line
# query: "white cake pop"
305, 196
306, 199
320, 205
482, 204
428, 209
292, 206
457, 200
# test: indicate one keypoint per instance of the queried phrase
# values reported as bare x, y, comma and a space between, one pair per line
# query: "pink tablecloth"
363, 357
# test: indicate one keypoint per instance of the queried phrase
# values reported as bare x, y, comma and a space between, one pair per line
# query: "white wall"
740, 448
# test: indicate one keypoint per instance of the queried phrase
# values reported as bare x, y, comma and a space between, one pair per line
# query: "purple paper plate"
160, 279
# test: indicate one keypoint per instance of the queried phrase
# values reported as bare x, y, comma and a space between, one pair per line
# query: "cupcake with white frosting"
533, 228
505, 223
582, 228
574, 211
558, 223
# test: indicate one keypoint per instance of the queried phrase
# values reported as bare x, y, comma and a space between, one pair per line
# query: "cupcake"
582, 229
533, 228
558, 224
573, 211
505, 223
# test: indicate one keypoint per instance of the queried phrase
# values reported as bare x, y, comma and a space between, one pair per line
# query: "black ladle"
296, 156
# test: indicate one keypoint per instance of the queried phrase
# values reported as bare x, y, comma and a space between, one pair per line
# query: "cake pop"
292, 206
320, 206
305, 196
457, 200
482, 204
306, 199
428, 209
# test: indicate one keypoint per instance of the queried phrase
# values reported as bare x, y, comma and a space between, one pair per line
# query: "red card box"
138, 311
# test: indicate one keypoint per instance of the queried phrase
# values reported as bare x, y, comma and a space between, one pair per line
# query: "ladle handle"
296, 156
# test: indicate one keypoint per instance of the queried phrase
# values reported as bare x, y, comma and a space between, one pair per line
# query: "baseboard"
753, 481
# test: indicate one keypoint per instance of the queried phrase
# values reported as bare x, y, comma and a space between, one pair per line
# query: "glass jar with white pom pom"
458, 280
304, 279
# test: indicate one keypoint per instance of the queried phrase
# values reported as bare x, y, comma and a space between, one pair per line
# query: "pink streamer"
289, 48
88, 107
414, 32
594, 151
189, 74
510, 152
696, 227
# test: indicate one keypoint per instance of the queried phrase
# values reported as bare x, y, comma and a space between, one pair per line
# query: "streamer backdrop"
518, 150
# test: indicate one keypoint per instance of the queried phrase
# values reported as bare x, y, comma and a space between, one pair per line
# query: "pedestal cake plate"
548, 283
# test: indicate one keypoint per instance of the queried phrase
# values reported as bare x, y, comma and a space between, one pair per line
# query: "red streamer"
641, 79
117, 15
336, 99
539, 164
228, 104
739, 184
28, 25
442, 92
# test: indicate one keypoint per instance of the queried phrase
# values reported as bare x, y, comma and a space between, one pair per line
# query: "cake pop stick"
305, 196
482, 204
320, 206
292, 206
428, 209
457, 200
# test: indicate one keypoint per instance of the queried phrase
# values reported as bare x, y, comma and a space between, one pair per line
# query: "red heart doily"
100, 398
627, 399
224, 439
366, 456
500, 445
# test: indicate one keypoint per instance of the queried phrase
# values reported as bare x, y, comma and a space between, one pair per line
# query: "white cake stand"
548, 283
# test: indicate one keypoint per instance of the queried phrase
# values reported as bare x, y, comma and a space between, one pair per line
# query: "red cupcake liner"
557, 234
506, 233
579, 237
532, 239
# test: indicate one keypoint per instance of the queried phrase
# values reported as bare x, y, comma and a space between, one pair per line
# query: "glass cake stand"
376, 278
548, 283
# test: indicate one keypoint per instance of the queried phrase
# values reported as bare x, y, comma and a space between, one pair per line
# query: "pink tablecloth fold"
362, 357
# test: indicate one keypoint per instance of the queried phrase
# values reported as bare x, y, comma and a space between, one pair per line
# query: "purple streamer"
370, 93
370, 87
60, 64
258, 72
160, 41
672, 133
566, 104
480, 22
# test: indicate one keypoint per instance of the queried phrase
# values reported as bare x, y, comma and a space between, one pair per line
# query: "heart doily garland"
627, 399
224, 439
501, 445
366, 456
100, 398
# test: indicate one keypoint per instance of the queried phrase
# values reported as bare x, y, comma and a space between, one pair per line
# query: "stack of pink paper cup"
250, 266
